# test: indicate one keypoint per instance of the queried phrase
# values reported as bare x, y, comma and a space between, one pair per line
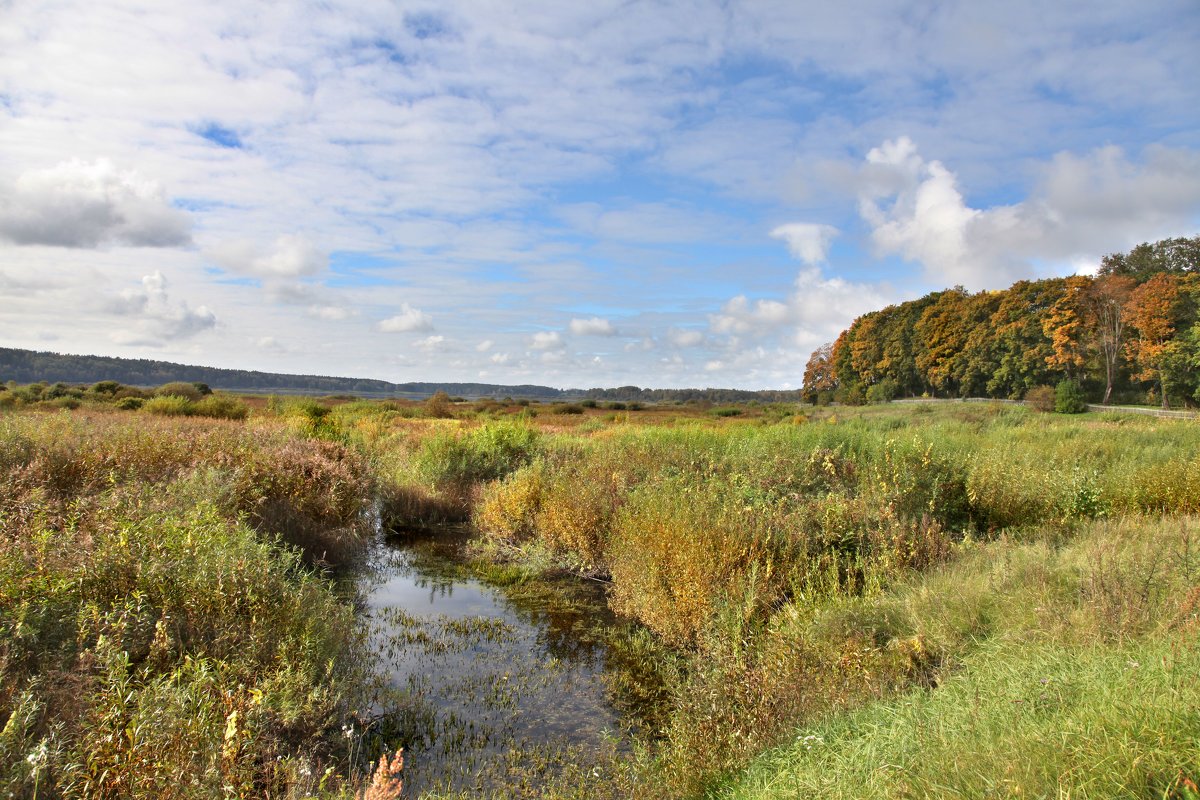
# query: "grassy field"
892, 601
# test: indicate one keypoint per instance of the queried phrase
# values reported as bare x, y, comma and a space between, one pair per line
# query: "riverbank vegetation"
840, 599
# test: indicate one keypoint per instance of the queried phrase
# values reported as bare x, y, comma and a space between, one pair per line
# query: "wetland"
495, 681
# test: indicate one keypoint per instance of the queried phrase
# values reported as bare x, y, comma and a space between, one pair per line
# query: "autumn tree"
819, 378
1104, 304
1065, 325
1020, 347
1153, 312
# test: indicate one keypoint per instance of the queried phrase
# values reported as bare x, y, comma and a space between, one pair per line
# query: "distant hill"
28, 366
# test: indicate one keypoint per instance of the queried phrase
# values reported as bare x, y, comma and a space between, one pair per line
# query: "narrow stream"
497, 687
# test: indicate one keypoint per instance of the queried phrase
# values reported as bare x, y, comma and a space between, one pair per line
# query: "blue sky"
664, 194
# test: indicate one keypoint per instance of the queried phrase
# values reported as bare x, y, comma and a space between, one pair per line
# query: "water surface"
496, 684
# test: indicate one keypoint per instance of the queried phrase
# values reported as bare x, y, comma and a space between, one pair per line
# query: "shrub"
168, 405
566, 408
188, 391
455, 462
221, 407
727, 411
440, 406
109, 388
1040, 398
1069, 398
130, 403
882, 392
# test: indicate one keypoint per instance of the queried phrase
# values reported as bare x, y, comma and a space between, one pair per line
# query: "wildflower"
38, 756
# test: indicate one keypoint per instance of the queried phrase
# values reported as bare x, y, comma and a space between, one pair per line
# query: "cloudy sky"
668, 193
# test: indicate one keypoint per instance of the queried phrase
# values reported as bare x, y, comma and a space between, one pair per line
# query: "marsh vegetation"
883, 601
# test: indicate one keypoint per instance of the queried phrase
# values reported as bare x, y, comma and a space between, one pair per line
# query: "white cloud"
807, 241
740, 315
596, 326
290, 256
1081, 208
155, 318
816, 311
484, 346
434, 342
409, 320
499, 358
87, 205
547, 340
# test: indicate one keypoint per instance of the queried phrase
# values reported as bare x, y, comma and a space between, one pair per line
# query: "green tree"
1175, 256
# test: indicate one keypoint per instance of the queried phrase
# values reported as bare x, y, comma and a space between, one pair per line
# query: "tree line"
1128, 334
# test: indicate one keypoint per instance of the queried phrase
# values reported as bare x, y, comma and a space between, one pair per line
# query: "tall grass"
161, 637
763, 551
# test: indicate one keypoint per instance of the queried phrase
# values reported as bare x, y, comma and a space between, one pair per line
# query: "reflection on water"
495, 681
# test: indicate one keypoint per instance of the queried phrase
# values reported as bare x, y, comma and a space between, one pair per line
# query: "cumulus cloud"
807, 241
817, 309
484, 346
88, 205
596, 326
739, 315
1083, 206
547, 340
156, 319
290, 256
409, 320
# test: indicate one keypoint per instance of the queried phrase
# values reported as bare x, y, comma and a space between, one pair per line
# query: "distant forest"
28, 366
1129, 334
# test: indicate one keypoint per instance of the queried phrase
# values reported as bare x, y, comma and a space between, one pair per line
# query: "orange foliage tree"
1153, 310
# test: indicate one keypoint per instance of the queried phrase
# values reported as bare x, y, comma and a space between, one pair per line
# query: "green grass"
1036, 721
1062, 668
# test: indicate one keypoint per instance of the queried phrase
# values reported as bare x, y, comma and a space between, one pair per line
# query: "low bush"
1069, 398
566, 408
1041, 398
188, 391
221, 407
455, 462
169, 405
